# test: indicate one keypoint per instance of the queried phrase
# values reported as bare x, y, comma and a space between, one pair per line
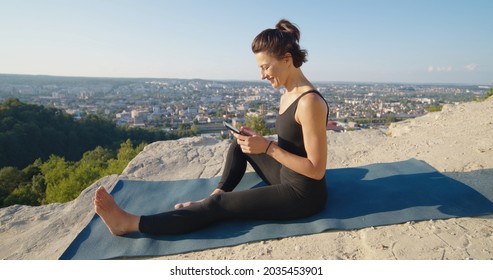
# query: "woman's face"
272, 69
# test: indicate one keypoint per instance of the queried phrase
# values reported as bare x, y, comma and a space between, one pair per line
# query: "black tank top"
289, 132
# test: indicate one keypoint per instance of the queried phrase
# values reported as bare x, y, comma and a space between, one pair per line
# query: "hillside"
456, 141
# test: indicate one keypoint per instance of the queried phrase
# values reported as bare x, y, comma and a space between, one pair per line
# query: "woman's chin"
275, 85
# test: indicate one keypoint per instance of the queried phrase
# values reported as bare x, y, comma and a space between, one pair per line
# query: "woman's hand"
251, 142
244, 130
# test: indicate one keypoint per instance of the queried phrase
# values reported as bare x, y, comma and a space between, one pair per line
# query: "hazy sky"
419, 41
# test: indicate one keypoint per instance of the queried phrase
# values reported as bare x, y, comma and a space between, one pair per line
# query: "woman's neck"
297, 83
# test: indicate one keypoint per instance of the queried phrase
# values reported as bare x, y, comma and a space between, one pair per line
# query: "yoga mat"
372, 195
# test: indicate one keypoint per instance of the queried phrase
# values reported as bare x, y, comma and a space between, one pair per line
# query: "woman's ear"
288, 59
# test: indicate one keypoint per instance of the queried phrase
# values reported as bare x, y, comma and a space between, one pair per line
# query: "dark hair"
279, 41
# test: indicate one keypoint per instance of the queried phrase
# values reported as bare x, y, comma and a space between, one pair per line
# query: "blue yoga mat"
372, 195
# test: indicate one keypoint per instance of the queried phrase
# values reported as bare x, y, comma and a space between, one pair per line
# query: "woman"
293, 167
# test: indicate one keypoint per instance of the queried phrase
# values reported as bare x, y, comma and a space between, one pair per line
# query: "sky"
394, 41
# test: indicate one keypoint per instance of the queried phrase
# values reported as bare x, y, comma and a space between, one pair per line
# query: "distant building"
334, 126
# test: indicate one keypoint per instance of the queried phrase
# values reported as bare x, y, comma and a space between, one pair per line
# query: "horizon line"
246, 80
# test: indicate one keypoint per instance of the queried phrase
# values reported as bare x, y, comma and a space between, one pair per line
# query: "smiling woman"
293, 168
274, 48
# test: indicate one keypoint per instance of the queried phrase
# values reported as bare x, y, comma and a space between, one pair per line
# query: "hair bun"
286, 26
280, 41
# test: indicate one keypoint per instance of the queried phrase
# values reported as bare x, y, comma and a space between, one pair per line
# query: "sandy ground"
456, 141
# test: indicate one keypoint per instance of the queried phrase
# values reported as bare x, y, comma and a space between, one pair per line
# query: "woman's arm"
311, 114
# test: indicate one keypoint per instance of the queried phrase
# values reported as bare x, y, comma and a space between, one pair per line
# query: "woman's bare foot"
186, 204
116, 219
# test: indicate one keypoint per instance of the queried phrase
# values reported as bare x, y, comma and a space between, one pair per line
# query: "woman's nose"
263, 76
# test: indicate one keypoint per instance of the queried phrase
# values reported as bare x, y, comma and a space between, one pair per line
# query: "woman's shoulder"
313, 105
312, 98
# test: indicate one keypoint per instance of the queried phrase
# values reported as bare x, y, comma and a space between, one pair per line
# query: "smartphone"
231, 127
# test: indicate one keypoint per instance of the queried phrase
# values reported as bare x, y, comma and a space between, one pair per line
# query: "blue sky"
421, 41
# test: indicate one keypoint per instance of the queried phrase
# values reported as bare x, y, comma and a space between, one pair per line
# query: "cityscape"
170, 104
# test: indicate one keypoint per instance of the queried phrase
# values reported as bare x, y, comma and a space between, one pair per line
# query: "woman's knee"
235, 146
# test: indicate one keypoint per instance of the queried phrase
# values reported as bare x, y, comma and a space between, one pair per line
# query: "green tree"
435, 108
257, 123
28, 185
125, 154
38, 187
220, 112
489, 94
390, 119
10, 179
24, 194
56, 172
66, 180
29, 132
194, 129
89, 169
71, 178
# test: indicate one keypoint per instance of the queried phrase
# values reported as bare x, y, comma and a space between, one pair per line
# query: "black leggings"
288, 196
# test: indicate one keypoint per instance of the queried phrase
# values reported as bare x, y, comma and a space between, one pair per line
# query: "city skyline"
351, 41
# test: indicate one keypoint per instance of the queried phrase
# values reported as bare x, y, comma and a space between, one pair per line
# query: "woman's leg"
275, 202
235, 165
234, 168
280, 201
